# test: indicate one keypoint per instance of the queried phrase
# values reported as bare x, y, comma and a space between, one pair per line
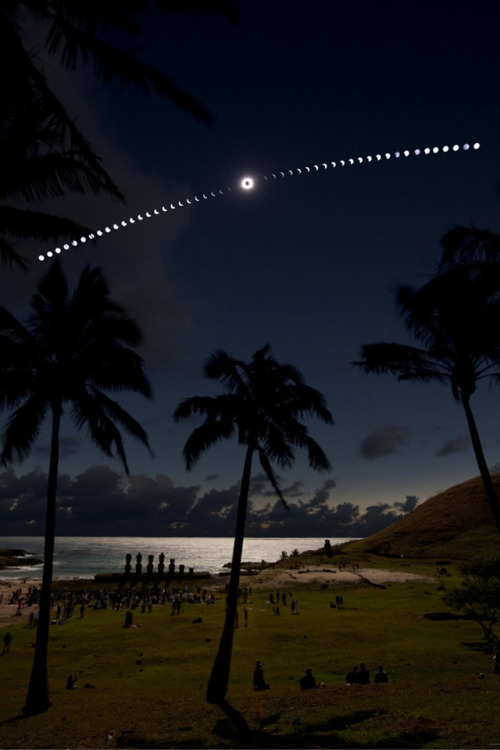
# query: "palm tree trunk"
38, 699
489, 488
219, 678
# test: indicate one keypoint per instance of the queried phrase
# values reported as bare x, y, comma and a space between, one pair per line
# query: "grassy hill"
456, 524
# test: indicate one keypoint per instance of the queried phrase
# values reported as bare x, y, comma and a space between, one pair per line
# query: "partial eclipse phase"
248, 183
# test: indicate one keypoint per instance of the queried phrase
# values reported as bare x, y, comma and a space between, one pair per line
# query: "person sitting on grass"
307, 681
352, 677
259, 682
381, 676
363, 674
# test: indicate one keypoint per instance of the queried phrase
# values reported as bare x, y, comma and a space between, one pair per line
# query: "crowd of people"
361, 675
66, 603
356, 676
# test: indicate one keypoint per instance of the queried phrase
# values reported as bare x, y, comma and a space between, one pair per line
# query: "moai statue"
128, 567
150, 564
138, 564
171, 567
181, 570
161, 564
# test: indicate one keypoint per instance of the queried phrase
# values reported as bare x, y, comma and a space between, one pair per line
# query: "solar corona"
249, 183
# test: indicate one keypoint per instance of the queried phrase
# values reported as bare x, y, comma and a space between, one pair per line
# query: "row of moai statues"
150, 565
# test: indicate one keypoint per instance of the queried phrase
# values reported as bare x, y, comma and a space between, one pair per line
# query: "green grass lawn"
150, 680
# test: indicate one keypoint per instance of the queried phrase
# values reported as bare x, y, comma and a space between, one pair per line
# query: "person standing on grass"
6, 643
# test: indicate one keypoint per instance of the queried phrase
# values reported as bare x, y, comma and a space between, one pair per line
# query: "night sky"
308, 263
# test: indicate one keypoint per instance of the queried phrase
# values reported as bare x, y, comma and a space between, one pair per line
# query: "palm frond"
77, 46
318, 459
205, 436
469, 244
305, 401
14, 332
23, 428
25, 223
99, 414
222, 366
118, 414
406, 362
268, 469
10, 258
215, 407
276, 445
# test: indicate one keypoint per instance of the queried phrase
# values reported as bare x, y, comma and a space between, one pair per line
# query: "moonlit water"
84, 557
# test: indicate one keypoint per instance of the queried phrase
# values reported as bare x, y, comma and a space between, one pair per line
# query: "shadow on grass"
484, 647
339, 723
19, 717
234, 732
234, 728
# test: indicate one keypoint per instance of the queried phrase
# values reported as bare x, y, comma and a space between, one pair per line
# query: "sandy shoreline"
279, 579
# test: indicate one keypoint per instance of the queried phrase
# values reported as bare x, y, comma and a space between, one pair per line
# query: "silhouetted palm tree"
43, 156
77, 32
469, 245
73, 349
262, 404
42, 152
455, 317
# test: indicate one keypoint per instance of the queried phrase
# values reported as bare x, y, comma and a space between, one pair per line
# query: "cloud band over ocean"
101, 501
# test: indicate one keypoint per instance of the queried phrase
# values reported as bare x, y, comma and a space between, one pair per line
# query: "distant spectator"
259, 682
307, 681
352, 677
496, 662
381, 676
6, 643
364, 674
71, 681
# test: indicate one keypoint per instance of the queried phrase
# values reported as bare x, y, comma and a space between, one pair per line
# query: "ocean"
84, 557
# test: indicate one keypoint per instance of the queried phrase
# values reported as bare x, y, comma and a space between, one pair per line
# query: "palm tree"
42, 152
73, 349
455, 317
44, 155
262, 404
469, 245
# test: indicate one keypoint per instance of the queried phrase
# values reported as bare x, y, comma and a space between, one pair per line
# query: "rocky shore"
13, 558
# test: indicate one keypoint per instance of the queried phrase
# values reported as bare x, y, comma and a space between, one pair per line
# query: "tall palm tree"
262, 403
455, 317
73, 349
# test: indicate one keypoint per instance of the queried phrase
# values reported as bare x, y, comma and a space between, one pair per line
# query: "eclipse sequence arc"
248, 183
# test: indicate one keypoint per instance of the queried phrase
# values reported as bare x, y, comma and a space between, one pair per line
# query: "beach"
279, 579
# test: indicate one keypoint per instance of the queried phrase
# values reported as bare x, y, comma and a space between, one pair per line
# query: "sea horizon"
87, 556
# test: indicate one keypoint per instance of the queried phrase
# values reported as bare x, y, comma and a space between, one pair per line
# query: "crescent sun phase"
248, 183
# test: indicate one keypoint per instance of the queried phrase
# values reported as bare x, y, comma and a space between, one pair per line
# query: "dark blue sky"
308, 263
